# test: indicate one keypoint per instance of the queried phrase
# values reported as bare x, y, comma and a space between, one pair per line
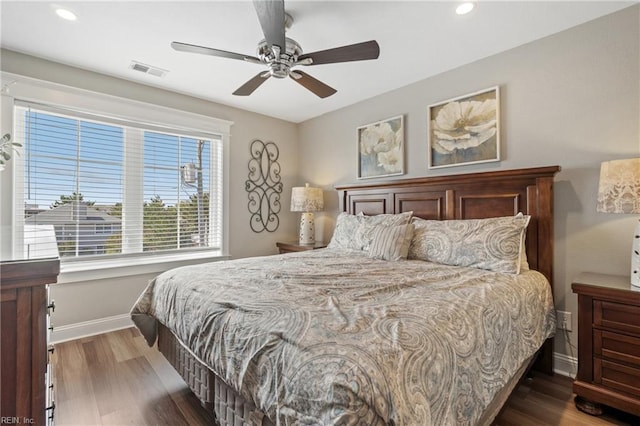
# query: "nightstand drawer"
618, 316
616, 346
617, 376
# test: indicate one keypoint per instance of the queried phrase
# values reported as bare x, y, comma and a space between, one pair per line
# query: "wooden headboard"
470, 196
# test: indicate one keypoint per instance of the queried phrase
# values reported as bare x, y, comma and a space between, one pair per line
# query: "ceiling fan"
281, 53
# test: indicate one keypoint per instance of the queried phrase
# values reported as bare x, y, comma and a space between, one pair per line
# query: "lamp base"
635, 257
307, 229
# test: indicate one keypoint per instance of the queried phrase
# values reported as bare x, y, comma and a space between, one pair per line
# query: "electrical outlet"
563, 320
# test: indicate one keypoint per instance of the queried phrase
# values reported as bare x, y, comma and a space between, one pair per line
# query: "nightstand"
289, 247
608, 344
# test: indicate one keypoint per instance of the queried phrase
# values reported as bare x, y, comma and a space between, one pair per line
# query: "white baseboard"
90, 328
565, 365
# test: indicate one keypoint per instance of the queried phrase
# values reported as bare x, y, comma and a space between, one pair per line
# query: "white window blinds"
105, 186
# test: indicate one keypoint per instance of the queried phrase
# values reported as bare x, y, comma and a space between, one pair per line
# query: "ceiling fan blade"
251, 85
313, 84
192, 48
271, 17
353, 52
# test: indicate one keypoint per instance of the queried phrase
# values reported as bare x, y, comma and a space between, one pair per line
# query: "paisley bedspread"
334, 337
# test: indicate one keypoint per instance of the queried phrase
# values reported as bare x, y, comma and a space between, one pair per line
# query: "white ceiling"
417, 39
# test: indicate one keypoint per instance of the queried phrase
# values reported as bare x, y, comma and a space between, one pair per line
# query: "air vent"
147, 69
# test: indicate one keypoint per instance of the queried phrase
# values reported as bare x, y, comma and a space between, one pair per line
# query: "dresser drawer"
616, 376
50, 397
616, 316
619, 347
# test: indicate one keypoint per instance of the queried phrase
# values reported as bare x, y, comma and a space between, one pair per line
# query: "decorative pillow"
354, 231
364, 233
345, 232
495, 244
391, 242
524, 264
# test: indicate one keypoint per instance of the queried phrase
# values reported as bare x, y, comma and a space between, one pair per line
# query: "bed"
353, 334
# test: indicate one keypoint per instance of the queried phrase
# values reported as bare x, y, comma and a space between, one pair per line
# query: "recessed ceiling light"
465, 7
66, 14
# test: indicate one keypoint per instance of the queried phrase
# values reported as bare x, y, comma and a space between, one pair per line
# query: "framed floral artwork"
381, 148
465, 130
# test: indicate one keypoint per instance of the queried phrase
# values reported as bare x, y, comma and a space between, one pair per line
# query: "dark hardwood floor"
116, 379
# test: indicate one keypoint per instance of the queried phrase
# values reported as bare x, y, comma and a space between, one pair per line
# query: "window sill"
75, 272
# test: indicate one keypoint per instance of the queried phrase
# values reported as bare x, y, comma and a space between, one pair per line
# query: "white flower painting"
465, 130
381, 148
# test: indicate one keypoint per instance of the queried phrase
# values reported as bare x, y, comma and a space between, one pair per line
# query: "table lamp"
307, 200
619, 192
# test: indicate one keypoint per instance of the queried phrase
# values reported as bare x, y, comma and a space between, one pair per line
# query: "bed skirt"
228, 407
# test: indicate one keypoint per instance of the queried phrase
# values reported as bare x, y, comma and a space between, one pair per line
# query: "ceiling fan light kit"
274, 21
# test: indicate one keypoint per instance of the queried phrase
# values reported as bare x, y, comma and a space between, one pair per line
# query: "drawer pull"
52, 407
52, 306
51, 349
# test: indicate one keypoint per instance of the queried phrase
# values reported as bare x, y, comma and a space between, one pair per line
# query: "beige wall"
571, 99
95, 299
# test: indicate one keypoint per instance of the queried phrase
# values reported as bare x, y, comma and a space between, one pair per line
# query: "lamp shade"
619, 188
619, 192
306, 199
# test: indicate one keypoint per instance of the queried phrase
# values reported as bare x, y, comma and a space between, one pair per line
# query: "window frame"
150, 116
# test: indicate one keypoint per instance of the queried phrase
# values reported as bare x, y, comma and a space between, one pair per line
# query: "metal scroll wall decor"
264, 186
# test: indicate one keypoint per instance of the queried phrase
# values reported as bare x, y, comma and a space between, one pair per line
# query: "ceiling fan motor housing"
279, 62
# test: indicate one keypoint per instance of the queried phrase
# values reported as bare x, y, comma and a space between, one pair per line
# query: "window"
107, 186
185, 224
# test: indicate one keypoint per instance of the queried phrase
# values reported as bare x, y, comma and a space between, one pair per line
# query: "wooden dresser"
26, 377
608, 343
